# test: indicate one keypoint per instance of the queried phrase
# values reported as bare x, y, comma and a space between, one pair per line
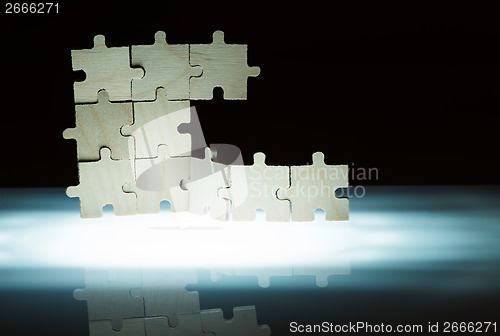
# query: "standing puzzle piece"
110, 299
164, 293
159, 179
166, 65
206, 178
98, 125
243, 323
224, 65
254, 187
131, 327
155, 123
106, 68
313, 187
101, 183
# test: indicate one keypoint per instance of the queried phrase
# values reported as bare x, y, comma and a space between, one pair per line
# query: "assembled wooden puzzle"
131, 154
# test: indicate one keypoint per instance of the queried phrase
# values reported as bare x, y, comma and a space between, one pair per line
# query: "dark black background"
410, 90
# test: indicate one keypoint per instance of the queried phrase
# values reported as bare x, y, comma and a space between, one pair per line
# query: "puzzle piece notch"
263, 274
99, 125
165, 65
243, 323
110, 299
206, 178
313, 187
131, 327
101, 183
224, 65
105, 68
156, 123
254, 187
164, 293
159, 179
321, 273
189, 325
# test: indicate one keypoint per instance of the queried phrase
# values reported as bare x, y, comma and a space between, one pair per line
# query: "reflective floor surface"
407, 255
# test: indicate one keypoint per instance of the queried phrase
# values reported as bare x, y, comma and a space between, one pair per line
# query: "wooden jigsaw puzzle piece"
99, 125
159, 179
206, 178
189, 325
106, 68
224, 65
108, 297
164, 293
131, 327
254, 187
313, 187
165, 65
101, 183
156, 123
243, 323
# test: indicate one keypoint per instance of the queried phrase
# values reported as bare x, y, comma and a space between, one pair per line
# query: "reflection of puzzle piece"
321, 273
98, 125
263, 274
155, 123
206, 178
243, 323
254, 187
131, 327
164, 293
166, 65
101, 183
157, 180
313, 187
189, 325
110, 299
106, 68
224, 65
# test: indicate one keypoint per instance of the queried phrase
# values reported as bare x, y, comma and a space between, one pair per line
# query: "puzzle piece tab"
131, 327
110, 299
313, 187
243, 323
254, 187
159, 179
98, 125
224, 65
101, 183
156, 122
206, 177
189, 325
164, 293
165, 65
106, 68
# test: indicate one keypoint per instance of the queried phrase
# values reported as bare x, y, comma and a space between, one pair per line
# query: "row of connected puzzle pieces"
156, 303
196, 185
186, 71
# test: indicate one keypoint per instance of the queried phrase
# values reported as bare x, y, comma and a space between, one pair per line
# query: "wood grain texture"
105, 68
156, 123
99, 125
101, 183
254, 187
158, 179
165, 65
206, 177
224, 65
313, 187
